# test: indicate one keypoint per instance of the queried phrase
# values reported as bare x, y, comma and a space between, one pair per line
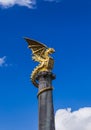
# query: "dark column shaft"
45, 99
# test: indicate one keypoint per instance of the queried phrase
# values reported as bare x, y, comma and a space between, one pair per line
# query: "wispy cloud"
77, 120
2, 61
10, 3
27, 3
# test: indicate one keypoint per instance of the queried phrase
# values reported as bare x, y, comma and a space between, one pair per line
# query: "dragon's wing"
36, 47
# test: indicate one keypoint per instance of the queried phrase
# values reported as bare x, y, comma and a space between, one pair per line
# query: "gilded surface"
40, 53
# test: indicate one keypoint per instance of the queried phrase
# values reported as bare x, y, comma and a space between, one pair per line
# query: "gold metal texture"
40, 53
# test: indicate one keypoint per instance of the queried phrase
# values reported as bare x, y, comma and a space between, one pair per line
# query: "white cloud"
27, 3
10, 3
77, 120
2, 61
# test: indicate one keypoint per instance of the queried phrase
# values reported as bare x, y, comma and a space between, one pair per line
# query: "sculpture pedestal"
45, 100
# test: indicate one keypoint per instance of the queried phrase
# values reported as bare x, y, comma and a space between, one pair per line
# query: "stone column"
45, 100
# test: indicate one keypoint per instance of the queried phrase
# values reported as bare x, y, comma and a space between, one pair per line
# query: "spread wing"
36, 47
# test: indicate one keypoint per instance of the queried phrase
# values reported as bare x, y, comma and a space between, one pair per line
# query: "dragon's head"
50, 50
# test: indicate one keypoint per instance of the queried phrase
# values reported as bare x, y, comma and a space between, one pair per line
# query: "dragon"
40, 53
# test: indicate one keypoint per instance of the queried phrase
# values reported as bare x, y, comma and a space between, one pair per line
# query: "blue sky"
64, 25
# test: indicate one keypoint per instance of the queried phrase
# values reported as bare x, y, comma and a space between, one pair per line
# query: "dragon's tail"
33, 76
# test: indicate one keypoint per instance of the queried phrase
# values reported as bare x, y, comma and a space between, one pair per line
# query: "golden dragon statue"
40, 53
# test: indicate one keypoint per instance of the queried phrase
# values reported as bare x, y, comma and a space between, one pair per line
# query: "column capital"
45, 74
